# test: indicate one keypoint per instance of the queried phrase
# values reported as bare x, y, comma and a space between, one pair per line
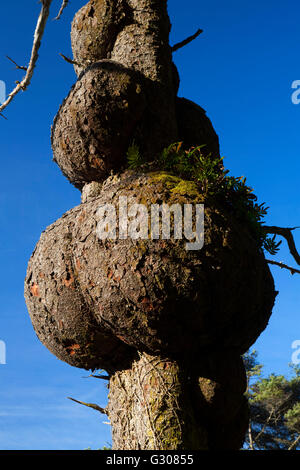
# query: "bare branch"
19, 67
264, 426
294, 444
181, 44
90, 405
283, 266
63, 6
287, 234
103, 377
38, 34
67, 59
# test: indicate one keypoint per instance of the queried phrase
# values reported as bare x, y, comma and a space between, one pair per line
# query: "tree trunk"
168, 324
150, 407
162, 404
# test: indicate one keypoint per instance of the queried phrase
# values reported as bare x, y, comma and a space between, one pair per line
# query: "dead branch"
103, 377
63, 6
38, 34
283, 266
287, 234
294, 444
90, 405
19, 67
67, 59
186, 41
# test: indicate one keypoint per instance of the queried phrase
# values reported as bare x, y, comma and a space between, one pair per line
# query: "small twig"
63, 6
287, 234
19, 67
283, 266
103, 377
250, 436
67, 59
294, 444
264, 426
181, 44
38, 34
90, 405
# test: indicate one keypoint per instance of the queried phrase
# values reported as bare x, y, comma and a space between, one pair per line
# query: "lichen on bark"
151, 407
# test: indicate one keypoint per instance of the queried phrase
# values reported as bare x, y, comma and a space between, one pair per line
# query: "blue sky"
240, 70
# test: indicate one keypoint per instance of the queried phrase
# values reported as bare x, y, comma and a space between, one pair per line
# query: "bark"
153, 294
163, 404
195, 128
95, 124
134, 34
150, 407
95, 28
121, 305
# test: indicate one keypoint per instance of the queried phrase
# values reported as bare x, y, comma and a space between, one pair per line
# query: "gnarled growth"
169, 325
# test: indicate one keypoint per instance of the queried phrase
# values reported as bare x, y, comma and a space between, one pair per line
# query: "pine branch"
257, 437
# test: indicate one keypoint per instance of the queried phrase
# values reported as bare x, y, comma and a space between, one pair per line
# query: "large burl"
169, 325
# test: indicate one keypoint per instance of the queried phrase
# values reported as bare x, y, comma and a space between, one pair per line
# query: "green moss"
186, 188
175, 184
204, 178
170, 181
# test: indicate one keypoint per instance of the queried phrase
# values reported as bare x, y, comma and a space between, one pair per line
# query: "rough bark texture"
96, 122
166, 404
168, 324
95, 29
138, 41
151, 407
153, 294
98, 303
194, 127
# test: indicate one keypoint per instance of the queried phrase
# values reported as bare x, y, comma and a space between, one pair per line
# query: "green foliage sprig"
134, 157
213, 181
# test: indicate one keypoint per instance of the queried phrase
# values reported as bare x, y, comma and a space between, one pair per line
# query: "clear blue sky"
240, 70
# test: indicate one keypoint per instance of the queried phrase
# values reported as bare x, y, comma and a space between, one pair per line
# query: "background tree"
274, 408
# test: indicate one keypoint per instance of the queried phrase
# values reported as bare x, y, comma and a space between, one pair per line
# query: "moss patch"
175, 184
